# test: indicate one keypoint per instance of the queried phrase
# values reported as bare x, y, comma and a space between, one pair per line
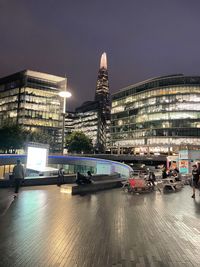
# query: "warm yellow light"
66, 189
66, 94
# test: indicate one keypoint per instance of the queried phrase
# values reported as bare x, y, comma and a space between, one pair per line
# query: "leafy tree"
41, 137
12, 137
78, 142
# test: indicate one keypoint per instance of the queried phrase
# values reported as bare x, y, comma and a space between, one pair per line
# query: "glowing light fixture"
66, 94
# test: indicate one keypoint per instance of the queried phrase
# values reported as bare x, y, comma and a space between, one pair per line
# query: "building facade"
31, 99
86, 122
157, 116
93, 117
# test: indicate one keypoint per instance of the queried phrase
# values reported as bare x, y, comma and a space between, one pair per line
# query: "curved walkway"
44, 227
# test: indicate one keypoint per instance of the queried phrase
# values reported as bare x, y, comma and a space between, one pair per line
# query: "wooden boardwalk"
44, 227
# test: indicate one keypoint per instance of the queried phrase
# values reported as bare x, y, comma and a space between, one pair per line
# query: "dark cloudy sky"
142, 38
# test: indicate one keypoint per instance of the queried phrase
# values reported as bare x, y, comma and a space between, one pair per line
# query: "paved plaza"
45, 227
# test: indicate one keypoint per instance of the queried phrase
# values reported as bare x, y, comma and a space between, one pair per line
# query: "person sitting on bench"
81, 179
152, 178
89, 175
164, 173
177, 176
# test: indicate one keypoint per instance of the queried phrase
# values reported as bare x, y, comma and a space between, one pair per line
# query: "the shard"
102, 95
102, 89
103, 62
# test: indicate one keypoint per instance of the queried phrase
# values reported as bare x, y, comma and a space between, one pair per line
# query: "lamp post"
64, 95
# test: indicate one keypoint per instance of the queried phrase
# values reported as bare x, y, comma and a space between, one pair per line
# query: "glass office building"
86, 122
159, 115
31, 99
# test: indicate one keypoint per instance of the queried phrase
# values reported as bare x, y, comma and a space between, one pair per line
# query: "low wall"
94, 187
40, 180
44, 180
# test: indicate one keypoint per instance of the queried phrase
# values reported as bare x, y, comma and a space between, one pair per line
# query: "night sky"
142, 39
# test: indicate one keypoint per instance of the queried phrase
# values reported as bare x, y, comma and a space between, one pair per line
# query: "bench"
96, 185
171, 183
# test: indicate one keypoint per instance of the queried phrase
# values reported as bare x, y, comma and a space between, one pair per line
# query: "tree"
12, 137
78, 142
41, 137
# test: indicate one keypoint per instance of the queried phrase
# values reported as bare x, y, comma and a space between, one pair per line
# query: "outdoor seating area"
137, 185
142, 185
172, 184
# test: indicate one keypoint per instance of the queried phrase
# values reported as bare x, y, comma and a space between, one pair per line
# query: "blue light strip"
12, 156
70, 158
92, 159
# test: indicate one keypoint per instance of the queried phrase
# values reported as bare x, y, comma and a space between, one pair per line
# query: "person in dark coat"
60, 176
81, 179
176, 170
18, 176
195, 179
152, 178
89, 175
164, 173
177, 175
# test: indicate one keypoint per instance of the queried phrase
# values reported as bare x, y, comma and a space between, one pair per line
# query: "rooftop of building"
33, 74
173, 79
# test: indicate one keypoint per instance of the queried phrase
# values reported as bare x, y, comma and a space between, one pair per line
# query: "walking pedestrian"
195, 179
18, 176
61, 173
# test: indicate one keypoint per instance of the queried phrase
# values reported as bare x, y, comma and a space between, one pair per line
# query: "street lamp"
64, 95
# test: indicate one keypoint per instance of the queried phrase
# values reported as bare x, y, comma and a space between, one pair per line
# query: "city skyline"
142, 40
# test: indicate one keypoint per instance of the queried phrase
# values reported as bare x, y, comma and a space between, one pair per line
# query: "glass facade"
86, 122
31, 99
157, 116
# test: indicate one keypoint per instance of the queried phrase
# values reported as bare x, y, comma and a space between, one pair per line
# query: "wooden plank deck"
45, 227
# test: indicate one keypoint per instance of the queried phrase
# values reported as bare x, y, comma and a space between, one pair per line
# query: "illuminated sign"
183, 166
37, 156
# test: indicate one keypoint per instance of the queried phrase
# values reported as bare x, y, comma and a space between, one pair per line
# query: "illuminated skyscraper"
102, 94
93, 117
